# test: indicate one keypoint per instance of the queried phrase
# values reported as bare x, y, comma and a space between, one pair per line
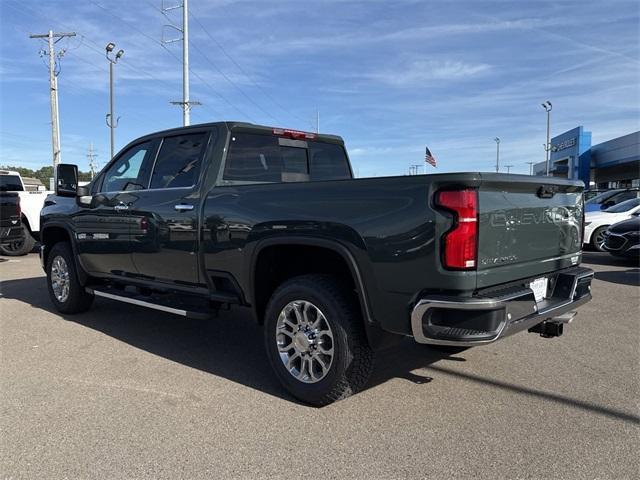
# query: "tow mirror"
66, 180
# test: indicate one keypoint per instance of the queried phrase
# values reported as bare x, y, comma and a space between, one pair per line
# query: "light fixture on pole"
497, 140
547, 146
113, 59
508, 167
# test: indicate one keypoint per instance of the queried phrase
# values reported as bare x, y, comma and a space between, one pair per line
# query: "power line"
158, 42
244, 72
233, 83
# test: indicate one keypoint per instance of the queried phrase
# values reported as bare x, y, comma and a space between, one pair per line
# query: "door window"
178, 163
131, 170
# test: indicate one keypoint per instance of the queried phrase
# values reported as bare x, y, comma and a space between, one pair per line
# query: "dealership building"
611, 164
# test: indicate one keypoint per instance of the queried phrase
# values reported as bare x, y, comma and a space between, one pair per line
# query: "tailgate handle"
547, 191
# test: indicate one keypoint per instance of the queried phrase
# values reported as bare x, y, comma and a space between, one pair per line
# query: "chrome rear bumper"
455, 321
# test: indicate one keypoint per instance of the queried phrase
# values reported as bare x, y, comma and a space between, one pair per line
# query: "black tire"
595, 239
20, 247
352, 360
77, 300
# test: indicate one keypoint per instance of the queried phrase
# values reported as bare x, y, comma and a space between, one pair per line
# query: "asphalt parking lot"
124, 392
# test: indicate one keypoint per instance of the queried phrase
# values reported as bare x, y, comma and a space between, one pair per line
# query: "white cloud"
421, 71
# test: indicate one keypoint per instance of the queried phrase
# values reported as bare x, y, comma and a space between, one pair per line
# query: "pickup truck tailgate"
528, 226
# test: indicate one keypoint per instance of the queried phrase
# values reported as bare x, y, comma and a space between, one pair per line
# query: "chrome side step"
127, 297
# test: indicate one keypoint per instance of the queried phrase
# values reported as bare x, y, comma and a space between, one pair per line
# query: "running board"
165, 305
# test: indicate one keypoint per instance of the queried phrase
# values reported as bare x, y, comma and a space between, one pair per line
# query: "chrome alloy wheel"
60, 279
305, 341
600, 240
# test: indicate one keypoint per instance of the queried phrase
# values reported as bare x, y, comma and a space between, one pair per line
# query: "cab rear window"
255, 158
10, 183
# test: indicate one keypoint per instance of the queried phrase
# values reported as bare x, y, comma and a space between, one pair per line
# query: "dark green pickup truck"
192, 219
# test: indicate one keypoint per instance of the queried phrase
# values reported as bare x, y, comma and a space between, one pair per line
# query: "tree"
43, 173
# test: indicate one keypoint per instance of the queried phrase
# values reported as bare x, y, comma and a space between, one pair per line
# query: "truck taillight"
461, 241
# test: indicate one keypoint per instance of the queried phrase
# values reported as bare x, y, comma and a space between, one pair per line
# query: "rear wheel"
315, 339
65, 290
19, 247
597, 239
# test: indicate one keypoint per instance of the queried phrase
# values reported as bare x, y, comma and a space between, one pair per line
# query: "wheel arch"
329, 251
59, 232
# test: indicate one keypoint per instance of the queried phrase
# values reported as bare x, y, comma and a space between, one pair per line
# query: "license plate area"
539, 287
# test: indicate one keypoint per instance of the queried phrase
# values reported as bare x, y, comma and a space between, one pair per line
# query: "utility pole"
530, 167
547, 147
416, 168
54, 70
185, 103
508, 167
318, 121
91, 156
112, 122
497, 140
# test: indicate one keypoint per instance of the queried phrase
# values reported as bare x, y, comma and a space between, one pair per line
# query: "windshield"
602, 197
624, 206
10, 183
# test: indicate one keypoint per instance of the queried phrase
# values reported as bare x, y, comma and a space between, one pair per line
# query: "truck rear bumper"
455, 321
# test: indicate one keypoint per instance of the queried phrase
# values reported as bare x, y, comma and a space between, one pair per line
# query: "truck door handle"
183, 207
120, 207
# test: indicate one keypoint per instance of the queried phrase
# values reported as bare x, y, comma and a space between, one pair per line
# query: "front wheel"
65, 291
315, 339
597, 239
19, 247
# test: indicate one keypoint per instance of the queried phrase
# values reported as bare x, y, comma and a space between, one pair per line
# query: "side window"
131, 170
328, 161
178, 162
622, 196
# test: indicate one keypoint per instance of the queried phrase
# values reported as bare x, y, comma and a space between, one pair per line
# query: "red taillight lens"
461, 242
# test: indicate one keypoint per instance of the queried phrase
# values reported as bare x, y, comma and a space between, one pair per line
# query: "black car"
623, 238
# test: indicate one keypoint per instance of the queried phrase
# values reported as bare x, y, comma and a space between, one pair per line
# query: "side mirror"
66, 180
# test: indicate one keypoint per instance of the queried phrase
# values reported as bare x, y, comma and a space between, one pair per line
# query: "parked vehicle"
623, 238
31, 202
610, 198
593, 192
596, 223
10, 224
192, 219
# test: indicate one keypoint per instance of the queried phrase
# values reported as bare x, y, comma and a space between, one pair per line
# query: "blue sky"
389, 76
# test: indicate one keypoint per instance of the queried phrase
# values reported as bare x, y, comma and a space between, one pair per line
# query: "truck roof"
248, 127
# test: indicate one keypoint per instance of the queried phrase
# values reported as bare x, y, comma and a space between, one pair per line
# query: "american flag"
430, 159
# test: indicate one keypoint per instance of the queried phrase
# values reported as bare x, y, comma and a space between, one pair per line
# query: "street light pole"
111, 122
530, 167
547, 148
508, 167
497, 140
